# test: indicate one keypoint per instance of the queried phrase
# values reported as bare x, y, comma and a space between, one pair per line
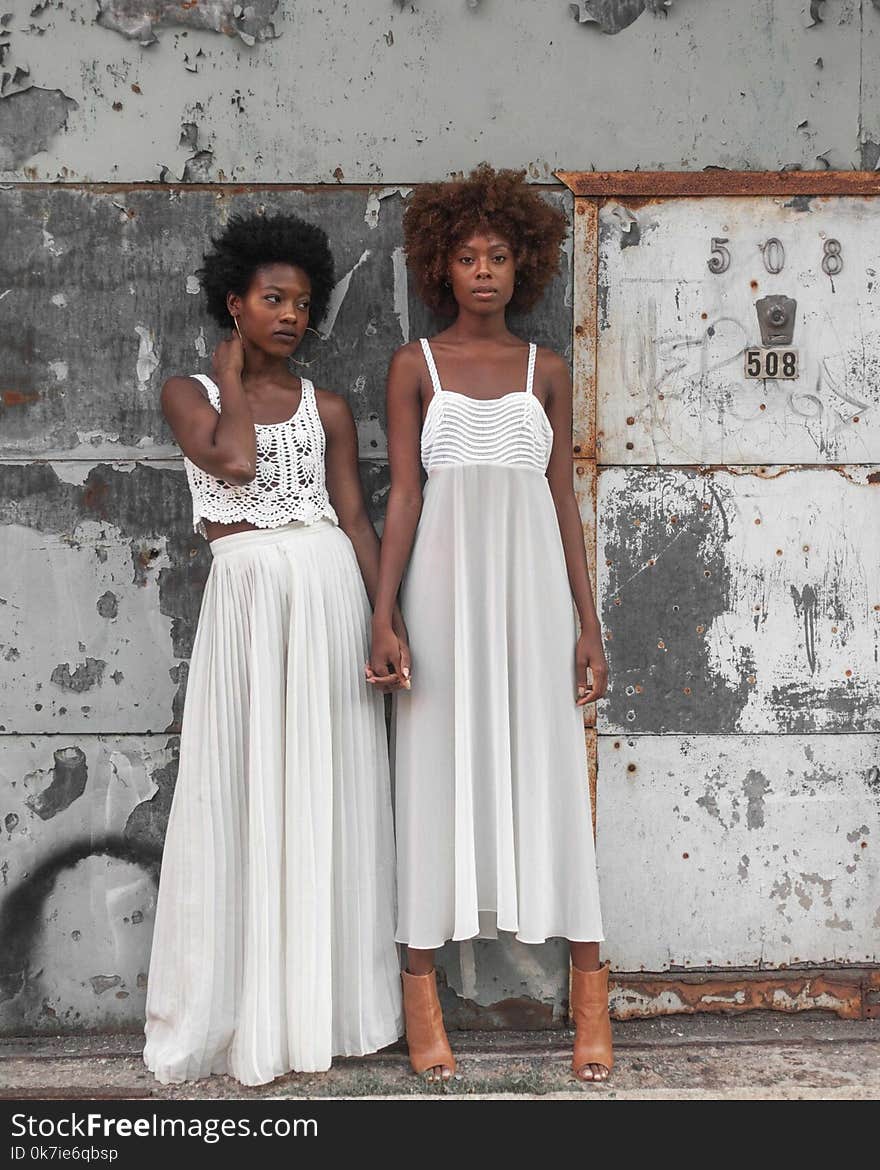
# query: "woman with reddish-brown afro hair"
439, 215
493, 819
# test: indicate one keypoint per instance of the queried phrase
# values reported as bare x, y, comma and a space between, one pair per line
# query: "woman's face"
273, 314
482, 270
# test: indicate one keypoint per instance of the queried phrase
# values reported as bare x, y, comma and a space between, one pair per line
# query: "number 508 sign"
765, 362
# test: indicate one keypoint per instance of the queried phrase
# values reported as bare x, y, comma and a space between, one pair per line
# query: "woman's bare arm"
404, 415
347, 497
344, 485
225, 444
589, 651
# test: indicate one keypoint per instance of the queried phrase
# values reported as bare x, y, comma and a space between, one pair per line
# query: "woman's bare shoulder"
183, 392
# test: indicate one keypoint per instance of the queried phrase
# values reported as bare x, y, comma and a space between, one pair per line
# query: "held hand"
389, 665
590, 657
228, 356
399, 627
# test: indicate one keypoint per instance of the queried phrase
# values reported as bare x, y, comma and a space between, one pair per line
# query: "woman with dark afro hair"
493, 814
273, 947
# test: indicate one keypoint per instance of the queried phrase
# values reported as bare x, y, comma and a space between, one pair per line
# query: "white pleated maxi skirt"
494, 830
273, 947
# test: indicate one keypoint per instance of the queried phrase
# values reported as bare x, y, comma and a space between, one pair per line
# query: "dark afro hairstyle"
249, 242
441, 215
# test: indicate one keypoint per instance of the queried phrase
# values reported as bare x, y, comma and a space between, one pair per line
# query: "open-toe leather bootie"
589, 1010
425, 1034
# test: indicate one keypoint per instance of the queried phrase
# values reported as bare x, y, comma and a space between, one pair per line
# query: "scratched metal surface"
739, 851
672, 386
101, 303
740, 601
104, 304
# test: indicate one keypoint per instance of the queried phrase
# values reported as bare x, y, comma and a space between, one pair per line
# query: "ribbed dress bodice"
511, 431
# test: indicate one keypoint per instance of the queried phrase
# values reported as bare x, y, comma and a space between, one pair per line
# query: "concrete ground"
759, 1055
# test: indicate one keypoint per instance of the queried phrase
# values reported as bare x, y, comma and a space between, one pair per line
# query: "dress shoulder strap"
432, 366
530, 376
309, 406
212, 389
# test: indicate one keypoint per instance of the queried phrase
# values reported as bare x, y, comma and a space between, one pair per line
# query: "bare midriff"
214, 530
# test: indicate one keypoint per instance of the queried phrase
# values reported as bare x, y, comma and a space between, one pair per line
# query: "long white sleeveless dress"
273, 948
492, 799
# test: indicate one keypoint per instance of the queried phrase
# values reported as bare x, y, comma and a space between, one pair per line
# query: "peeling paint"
138, 21
29, 121
87, 675
338, 295
102, 983
67, 783
147, 359
401, 292
199, 168
374, 199
108, 605
613, 16
755, 788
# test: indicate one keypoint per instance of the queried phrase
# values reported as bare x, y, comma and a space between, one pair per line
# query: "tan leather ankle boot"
425, 1034
589, 1011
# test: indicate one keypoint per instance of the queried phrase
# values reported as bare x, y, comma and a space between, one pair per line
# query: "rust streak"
846, 993
653, 184
16, 398
592, 770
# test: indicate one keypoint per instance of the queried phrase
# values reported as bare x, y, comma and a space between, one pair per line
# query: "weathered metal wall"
100, 578
739, 582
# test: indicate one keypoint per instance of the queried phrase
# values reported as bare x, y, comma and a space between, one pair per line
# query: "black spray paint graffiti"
806, 605
21, 918
140, 843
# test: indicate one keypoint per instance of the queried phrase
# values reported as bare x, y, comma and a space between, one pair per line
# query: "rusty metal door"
727, 359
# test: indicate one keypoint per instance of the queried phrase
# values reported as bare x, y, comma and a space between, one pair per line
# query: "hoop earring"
320, 336
238, 329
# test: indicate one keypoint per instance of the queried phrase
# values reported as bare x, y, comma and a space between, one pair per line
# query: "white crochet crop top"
289, 484
510, 431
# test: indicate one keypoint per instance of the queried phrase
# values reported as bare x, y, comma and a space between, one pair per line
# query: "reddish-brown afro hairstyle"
440, 215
